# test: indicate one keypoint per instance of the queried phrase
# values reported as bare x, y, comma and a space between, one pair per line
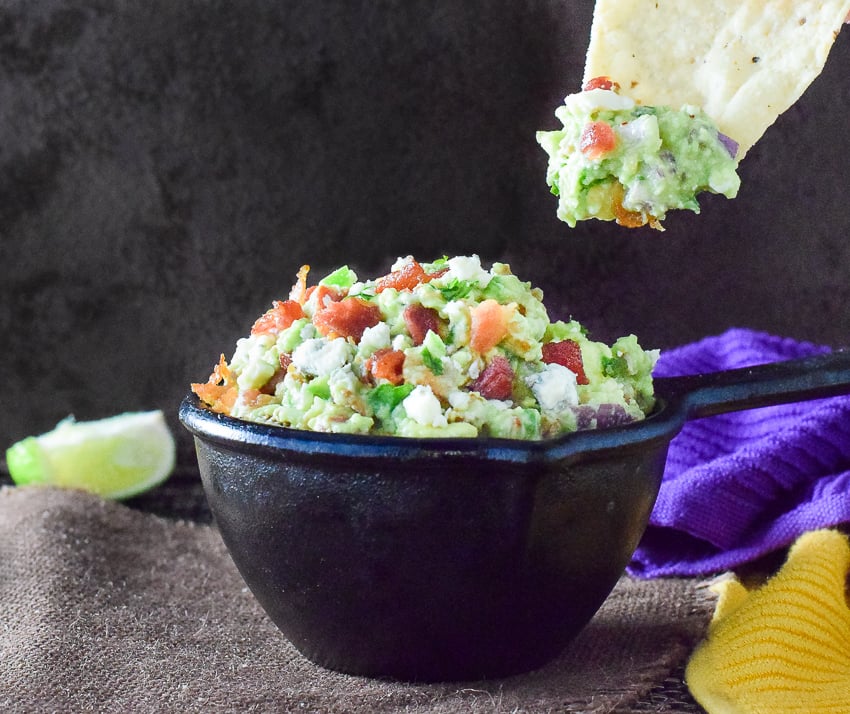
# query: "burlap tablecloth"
104, 607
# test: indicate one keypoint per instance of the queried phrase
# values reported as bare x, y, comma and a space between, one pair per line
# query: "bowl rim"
205, 424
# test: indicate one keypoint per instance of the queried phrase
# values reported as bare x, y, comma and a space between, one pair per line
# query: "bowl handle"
712, 393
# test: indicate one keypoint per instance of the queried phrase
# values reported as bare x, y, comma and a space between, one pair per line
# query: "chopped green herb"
435, 364
456, 289
434, 349
617, 367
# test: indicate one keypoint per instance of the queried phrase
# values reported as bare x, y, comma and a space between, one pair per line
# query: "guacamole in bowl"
440, 349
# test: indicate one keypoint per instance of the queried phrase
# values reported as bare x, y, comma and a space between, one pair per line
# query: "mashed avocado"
617, 160
436, 349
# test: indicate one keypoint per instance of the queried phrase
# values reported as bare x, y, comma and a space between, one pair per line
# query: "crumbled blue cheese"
457, 313
374, 339
593, 100
554, 387
255, 359
401, 343
468, 268
318, 356
424, 408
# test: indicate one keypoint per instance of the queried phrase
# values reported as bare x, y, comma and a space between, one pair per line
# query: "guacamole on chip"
618, 160
446, 348
715, 75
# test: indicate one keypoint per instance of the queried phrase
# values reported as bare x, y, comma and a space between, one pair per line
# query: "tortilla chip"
743, 61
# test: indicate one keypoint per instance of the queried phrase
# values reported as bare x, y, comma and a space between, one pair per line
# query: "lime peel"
117, 457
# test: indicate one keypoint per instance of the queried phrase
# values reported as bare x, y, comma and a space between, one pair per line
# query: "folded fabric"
739, 486
785, 646
104, 608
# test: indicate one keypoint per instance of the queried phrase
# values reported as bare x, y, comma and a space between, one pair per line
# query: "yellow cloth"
785, 646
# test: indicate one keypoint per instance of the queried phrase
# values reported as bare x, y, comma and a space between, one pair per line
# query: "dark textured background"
165, 167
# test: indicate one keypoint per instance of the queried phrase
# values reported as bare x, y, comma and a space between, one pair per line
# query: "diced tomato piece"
406, 278
496, 381
281, 316
566, 353
597, 140
599, 83
324, 295
387, 364
489, 324
346, 318
419, 319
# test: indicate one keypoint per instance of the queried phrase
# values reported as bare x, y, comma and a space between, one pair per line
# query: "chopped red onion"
603, 416
730, 144
609, 415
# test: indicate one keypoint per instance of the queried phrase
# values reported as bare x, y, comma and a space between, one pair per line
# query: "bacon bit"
496, 381
274, 380
219, 392
627, 218
346, 318
600, 83
489, 324
222, 373
406, 278
419, 319
299, 290
285, 359
597, 140
387, 364
255, 397
217, 397
281, 316
566, 353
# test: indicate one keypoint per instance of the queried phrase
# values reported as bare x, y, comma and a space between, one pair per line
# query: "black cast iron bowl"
453, 559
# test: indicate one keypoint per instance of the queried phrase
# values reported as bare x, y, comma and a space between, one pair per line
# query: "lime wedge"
117, 457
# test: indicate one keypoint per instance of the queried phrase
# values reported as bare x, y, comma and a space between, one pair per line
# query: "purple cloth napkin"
739, 486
